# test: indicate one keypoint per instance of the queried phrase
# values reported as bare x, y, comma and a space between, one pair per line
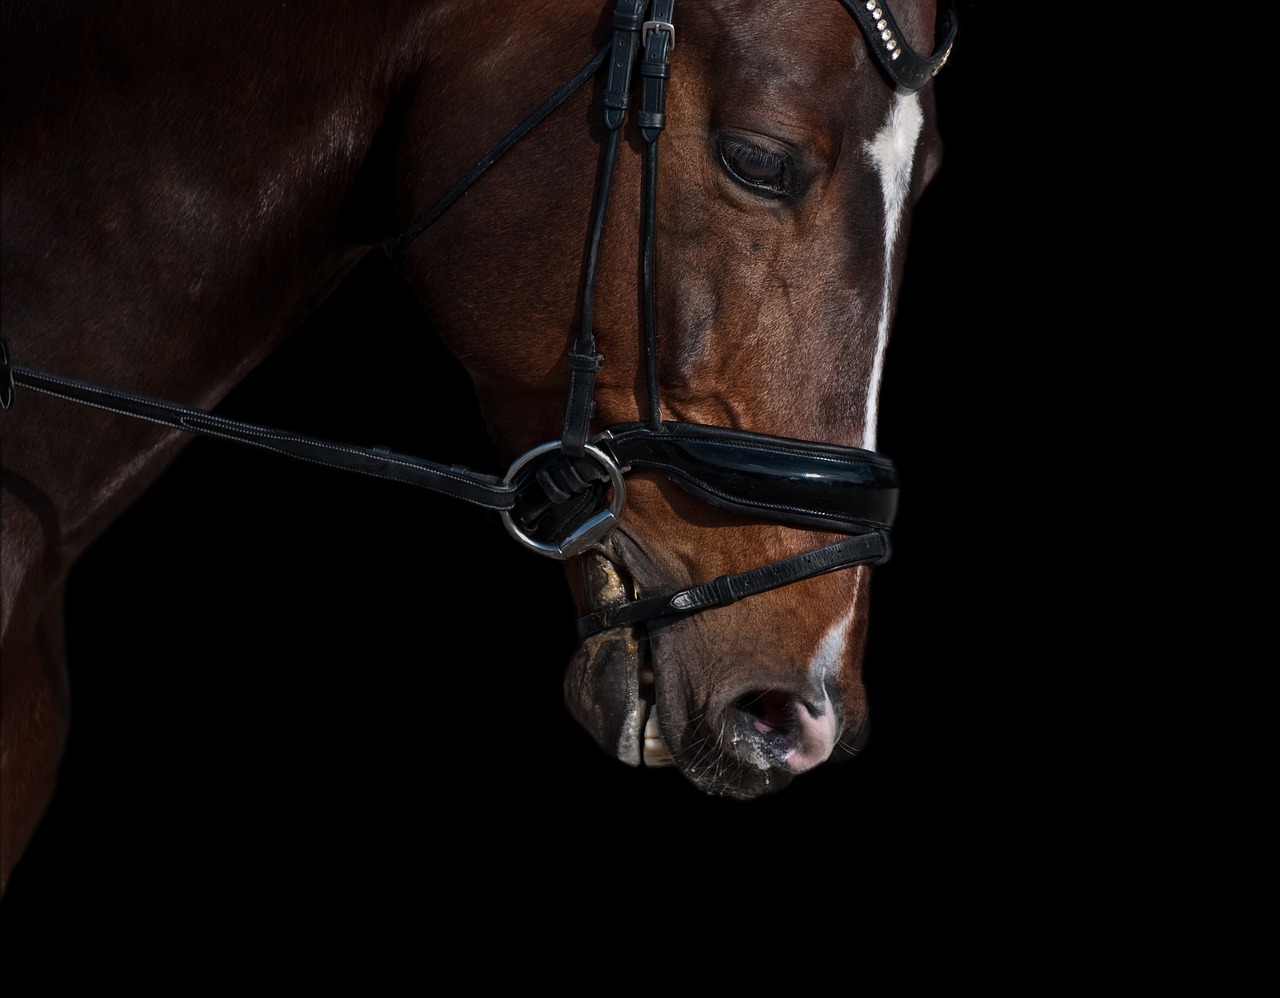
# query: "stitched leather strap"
906, 70
655, 69
652, 118
628, 18
487, 491
584, 362
801, 483
860, 550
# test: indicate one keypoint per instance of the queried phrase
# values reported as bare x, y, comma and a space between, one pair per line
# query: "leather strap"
584, 361
487, 491
860, 550
654, 70
628, 18
905, 69
394, 247
800, 483
6, 373
652, 118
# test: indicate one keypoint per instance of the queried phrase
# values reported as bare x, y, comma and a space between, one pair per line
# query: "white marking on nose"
819, 734
833, 650
817, 737
892, 149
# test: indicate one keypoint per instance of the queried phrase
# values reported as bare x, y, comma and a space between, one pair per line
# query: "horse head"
665, 243
789, 162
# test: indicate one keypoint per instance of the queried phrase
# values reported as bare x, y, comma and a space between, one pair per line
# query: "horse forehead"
799, 72
805, 44
809, 47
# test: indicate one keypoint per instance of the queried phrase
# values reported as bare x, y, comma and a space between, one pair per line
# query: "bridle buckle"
651, 26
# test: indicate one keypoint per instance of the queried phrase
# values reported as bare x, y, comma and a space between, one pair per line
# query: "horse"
664, 245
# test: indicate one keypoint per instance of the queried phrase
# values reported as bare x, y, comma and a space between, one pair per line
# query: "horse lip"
602, 686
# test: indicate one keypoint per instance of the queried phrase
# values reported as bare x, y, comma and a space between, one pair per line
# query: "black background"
318, 697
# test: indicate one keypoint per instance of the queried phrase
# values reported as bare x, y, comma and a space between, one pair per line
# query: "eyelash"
759, 169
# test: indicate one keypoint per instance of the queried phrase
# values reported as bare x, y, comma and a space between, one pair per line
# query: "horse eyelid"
761, 170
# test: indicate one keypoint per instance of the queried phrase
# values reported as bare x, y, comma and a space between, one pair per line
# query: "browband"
906, 70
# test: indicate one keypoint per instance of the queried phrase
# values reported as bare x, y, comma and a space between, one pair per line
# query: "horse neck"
179, 194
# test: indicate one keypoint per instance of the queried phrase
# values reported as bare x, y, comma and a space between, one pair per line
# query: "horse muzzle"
658, 696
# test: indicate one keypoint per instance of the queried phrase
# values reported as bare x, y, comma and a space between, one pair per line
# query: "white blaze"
833, 650
820, 734
892, 149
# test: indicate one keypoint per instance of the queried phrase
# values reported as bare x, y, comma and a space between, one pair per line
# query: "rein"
549, 499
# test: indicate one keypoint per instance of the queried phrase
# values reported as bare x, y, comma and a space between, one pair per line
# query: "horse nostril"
769, 710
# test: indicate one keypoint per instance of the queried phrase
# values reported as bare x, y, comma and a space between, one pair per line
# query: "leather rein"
550, 499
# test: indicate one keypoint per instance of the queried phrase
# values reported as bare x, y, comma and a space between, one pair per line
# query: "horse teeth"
655, 749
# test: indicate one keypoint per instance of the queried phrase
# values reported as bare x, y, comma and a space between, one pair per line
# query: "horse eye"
757, 168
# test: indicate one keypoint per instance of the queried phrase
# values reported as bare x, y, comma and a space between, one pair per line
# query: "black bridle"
553, 499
